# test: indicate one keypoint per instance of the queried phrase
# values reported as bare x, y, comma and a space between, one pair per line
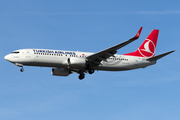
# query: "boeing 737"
64, 63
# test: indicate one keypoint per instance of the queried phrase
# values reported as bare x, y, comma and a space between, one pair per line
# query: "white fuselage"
58, 59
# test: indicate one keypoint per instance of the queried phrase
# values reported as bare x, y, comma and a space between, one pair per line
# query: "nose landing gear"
22, 69
19, 65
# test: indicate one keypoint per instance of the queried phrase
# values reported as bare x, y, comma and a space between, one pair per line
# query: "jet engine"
76, 62
60, 72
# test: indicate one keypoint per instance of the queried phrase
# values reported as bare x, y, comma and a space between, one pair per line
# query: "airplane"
64, 63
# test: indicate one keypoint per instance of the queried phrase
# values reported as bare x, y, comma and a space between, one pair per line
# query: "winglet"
138, 34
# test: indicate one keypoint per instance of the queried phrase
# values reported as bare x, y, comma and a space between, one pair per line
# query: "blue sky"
91, 25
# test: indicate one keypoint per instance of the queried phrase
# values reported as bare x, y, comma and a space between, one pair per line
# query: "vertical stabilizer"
148, 47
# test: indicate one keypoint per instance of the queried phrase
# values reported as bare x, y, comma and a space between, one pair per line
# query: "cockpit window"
15, 52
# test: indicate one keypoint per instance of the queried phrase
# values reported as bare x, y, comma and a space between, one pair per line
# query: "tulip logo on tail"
147, 49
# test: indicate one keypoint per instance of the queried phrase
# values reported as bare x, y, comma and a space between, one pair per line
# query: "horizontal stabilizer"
159, 56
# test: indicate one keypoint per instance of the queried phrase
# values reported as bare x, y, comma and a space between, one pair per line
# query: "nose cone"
7, 57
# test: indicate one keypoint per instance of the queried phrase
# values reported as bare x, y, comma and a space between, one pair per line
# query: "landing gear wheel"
21, 69
91, 71
81, 76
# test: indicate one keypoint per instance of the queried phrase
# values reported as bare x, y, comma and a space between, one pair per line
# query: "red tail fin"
148, 47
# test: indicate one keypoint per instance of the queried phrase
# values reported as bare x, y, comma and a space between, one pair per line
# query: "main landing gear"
82, 74
91, 71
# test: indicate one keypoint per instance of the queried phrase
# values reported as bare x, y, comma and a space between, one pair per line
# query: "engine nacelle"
76, 62
60, 72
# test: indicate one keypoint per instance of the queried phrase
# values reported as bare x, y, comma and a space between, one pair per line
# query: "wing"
96, 58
